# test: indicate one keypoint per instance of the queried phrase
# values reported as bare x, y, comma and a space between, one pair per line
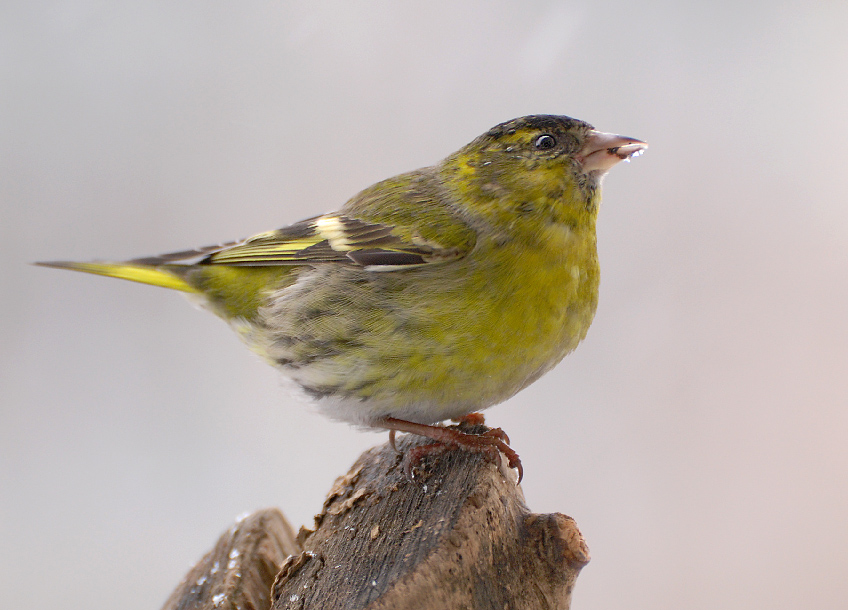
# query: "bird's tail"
167, 276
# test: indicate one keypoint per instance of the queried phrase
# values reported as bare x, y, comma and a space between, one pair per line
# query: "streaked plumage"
429, 295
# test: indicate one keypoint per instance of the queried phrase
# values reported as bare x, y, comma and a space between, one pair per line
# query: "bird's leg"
471, 419
490, 444
478, 419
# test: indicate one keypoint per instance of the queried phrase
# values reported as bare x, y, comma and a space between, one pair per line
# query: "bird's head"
544, 165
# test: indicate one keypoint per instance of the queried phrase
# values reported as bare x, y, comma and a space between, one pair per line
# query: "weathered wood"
239, 571
460, 537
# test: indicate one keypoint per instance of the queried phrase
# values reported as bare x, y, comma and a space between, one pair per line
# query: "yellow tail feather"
157, 276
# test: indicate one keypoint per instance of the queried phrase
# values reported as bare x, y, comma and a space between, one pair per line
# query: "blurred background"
699, 436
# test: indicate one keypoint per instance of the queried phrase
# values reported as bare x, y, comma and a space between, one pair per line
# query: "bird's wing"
331, 238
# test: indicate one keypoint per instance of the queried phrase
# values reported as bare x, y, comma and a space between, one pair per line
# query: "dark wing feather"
331, 238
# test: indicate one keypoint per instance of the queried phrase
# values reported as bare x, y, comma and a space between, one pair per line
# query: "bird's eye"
545, 141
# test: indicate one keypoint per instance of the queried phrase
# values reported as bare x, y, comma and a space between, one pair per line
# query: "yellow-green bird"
428, 296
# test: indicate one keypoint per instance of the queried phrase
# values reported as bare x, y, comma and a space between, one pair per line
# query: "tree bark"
458, 537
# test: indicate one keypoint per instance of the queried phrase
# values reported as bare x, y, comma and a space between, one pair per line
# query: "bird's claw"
490, 444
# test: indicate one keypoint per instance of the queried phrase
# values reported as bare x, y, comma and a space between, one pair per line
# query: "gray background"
698, 435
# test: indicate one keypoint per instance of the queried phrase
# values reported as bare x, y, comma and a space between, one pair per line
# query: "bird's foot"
490, 444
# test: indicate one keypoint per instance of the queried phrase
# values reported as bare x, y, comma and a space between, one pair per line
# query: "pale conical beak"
603, 150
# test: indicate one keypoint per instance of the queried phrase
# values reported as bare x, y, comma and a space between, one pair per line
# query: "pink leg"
490, 444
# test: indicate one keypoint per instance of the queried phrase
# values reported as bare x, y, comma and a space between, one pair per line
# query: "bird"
428, 296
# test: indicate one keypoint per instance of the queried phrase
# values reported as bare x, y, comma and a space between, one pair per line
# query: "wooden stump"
459, 537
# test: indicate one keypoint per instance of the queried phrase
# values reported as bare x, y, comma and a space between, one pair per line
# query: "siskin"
428, 296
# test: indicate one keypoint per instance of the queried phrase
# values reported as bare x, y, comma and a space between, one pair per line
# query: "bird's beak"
603, 150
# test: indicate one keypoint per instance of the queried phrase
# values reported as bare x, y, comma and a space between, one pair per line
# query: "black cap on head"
542, 122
